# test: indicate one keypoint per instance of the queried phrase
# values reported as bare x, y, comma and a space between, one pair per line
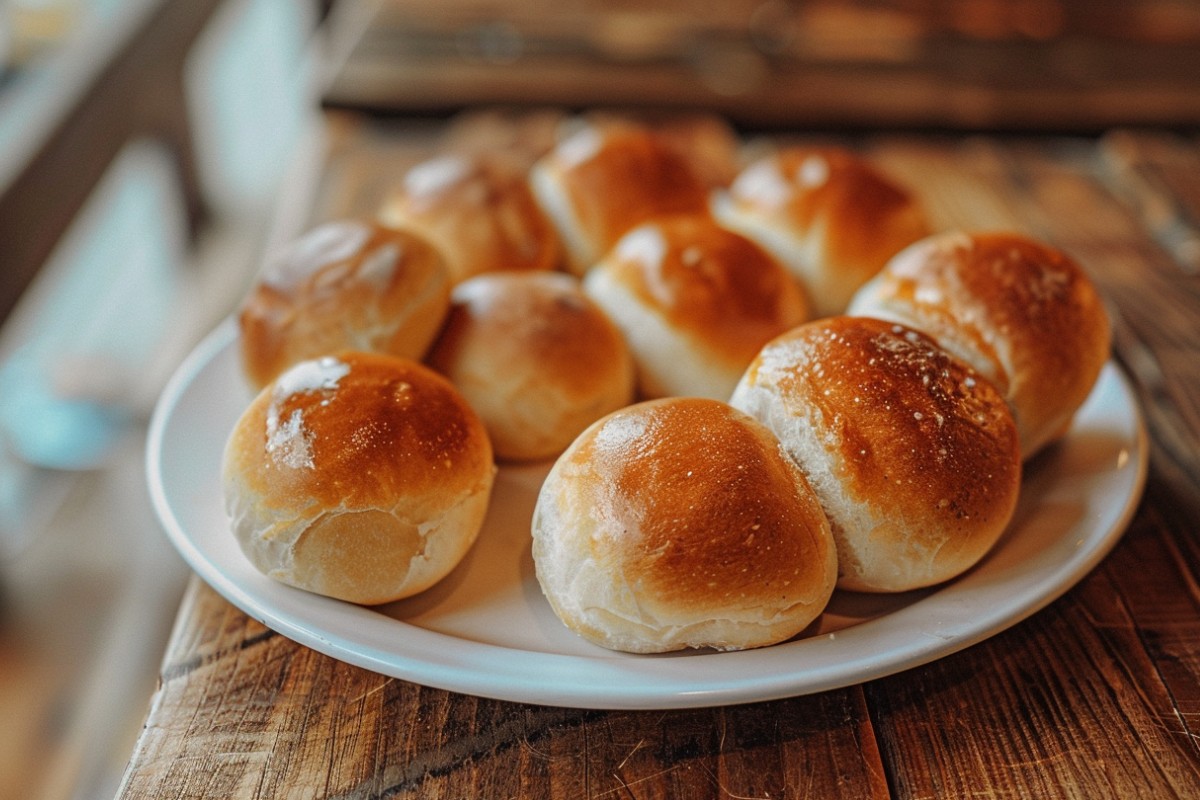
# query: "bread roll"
696, 302
601, 181
478, 211
535, 357
913, 455
1022, 313
521, 134
360, 476
827, 214
706, 141
343, 285
680, 523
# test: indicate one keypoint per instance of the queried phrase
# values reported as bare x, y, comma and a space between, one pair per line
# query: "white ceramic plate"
486, 630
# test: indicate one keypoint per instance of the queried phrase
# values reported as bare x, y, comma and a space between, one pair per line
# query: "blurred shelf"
978, 65
45, 73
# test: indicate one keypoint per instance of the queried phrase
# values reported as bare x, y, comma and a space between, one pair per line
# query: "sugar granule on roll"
535, 357
347, 284
829, 215
695, 301
601, 181
359, 476
478, 211
680, 523
1021, 312
913, 455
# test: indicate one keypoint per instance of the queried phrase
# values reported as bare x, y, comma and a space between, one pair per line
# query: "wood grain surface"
1097, 696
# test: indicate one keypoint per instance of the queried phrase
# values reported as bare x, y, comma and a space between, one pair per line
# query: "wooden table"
1096, 696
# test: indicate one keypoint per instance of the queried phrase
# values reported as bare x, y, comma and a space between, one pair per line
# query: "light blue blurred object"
250, 90
94, 316
44, 428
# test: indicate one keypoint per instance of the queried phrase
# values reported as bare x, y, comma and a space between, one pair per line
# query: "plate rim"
618, 681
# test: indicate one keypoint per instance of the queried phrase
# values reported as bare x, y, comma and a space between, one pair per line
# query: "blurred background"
152, 150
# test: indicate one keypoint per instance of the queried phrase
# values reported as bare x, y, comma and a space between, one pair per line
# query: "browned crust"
479, 211
862, 216
539, 319
631, 176
344, 284
715, 285
703, 507
391, 431
1023, 305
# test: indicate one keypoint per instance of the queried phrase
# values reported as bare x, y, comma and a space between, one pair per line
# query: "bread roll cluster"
753, 381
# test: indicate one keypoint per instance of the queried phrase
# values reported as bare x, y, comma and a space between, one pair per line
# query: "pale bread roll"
535, 357
603, 180
345, 285
478, 211
830, 216
695, 301
913, 455
680, 523
360, 476
1022, 313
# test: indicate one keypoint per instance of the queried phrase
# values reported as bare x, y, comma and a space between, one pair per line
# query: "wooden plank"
1158, 176
1159, 313
1051, 708
1130, 652
1154, 303
243, 712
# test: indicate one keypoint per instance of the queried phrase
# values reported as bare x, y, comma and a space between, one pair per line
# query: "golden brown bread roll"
913, 455
603, 180
680, 523
827, 214
706, 141
1021, 312
478, 211
695, 301
521, 134
343, 285
360, 476
535, 357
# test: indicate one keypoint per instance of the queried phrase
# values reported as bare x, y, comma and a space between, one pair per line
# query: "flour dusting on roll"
913, 454
680, 523
1020, 311
344, 285
359, 476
